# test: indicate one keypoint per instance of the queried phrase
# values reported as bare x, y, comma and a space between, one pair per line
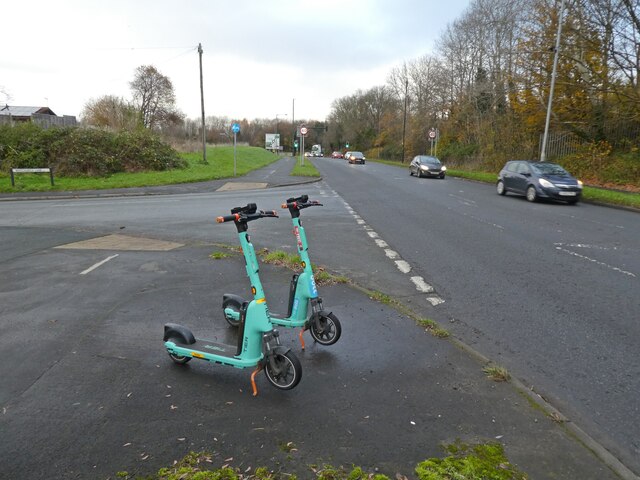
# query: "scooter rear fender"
231, 296
183, 333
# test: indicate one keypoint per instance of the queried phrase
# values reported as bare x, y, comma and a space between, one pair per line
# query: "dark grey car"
538, 180
425, 165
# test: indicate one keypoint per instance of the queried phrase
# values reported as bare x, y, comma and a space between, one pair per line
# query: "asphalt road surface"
550, 291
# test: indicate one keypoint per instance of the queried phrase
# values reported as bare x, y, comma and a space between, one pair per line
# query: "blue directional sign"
235, 128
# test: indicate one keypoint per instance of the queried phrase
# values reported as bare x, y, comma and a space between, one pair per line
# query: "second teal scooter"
323, 325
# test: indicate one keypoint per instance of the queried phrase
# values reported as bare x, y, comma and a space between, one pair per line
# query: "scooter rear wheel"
326, 330
233, 304
179, 359
283, 371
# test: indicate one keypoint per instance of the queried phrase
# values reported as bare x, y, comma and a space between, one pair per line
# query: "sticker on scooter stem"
296, 232
312, 287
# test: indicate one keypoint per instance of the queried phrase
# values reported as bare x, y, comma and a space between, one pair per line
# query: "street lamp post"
543, 153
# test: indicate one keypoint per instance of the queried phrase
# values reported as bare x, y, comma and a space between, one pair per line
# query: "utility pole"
543, 153
293, 123
204, 131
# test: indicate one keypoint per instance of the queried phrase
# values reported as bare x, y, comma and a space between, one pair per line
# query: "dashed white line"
421, 285
593, 260
403, 266
392, 254
93, 267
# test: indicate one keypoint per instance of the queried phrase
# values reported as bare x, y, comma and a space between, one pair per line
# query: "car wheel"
442, 176
419, 173
532, 195
410, 173
500, 188
572, 202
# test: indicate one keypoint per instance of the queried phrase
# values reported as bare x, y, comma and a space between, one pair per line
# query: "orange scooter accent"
300, 337
253, 380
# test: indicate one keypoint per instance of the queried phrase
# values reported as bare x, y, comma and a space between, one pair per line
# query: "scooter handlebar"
300, 203
246, 217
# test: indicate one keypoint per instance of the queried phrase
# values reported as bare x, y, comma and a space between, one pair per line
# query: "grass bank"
220, 165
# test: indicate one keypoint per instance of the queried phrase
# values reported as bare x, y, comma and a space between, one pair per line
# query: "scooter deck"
209, 346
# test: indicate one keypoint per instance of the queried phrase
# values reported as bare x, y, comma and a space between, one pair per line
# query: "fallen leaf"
173, 407
230, 459
126, 444
182, 439
412, 422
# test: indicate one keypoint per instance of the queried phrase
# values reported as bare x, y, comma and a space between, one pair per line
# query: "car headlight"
443, 169
545, 183
424, 167
580, 184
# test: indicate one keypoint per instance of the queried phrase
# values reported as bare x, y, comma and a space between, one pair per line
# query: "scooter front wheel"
326, 330
179, 359
231, 310
284, 371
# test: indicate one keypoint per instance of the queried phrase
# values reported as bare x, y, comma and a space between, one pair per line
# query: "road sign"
304, 130
432, 134
235, 128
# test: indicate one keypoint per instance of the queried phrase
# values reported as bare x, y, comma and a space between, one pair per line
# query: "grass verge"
220, 165
306, 170
463, 462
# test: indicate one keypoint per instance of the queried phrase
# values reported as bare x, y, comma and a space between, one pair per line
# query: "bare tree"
110, 112
154, 97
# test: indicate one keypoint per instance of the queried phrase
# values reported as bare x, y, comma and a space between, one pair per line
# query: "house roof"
24, 111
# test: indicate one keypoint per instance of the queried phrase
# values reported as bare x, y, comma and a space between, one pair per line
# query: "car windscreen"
357, 154
431, 161
548, 169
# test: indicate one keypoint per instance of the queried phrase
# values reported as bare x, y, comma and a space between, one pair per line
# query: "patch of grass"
470, 462
306, 170
219, 255
220, 165
464, 462
287, 447
432, 327
497, 373
293, 262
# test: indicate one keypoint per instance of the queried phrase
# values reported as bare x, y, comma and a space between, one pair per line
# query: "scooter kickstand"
253, 380
301, 339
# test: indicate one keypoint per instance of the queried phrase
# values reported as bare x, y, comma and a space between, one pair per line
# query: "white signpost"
303, 133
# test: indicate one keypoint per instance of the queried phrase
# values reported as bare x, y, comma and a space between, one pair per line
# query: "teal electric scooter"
324, 326
258, 342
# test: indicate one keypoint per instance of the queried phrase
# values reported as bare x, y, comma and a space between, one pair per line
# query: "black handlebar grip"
228, 218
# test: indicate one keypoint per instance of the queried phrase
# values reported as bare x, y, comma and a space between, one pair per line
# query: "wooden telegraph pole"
204, 131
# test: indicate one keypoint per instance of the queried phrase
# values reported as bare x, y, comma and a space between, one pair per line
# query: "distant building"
42, 116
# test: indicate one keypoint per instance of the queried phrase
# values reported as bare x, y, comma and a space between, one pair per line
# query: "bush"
84, 152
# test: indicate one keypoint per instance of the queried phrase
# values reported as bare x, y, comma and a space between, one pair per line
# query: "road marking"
403, 266
392, 254
93, 267
421, 285
593, 260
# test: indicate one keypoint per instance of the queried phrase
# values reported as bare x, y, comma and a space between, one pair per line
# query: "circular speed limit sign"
432, 134
303, 130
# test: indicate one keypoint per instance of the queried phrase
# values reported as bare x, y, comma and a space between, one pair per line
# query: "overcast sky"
259, 55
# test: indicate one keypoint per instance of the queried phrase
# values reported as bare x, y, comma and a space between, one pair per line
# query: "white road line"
403, 266
93, 267
392, 254
435, 300
421, 285
593, 260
